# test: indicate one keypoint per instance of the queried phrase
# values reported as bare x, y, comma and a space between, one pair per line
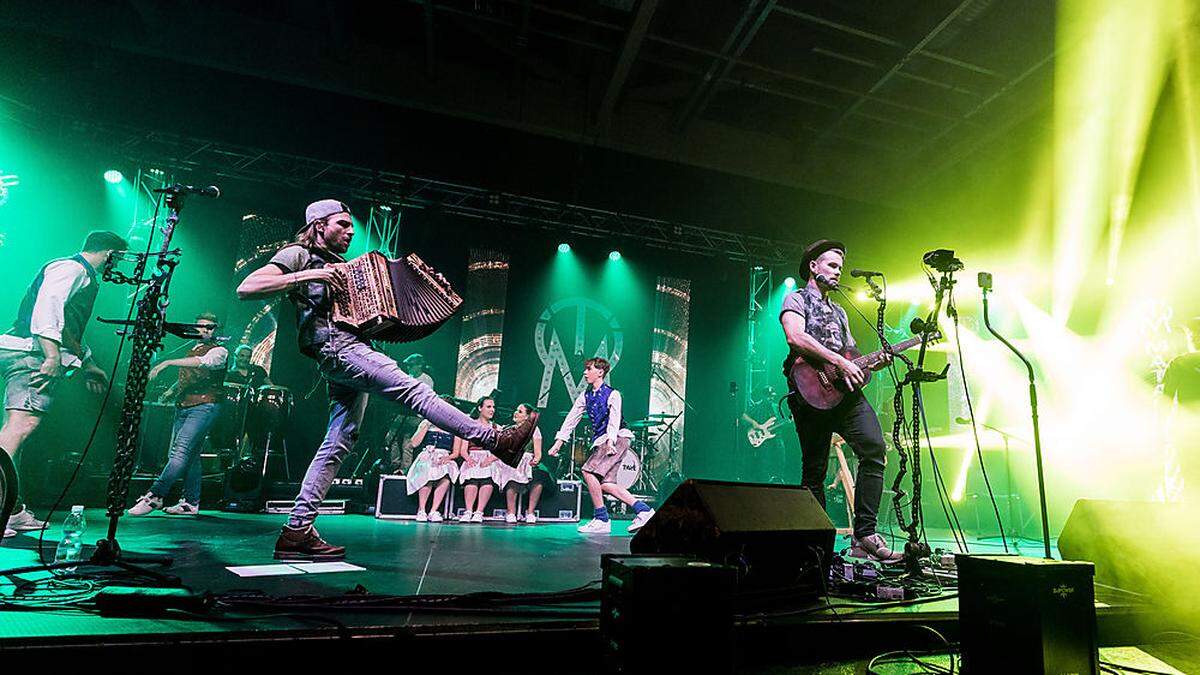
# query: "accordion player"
393, 300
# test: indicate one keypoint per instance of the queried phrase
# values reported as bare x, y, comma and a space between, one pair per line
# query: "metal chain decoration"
147, 336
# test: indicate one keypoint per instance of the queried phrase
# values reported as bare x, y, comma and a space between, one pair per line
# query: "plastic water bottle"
70, 547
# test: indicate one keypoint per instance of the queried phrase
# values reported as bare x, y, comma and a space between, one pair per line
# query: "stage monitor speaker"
9, 486
1151, 548
777, 536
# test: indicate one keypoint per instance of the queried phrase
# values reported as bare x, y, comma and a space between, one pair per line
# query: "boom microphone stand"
985, 285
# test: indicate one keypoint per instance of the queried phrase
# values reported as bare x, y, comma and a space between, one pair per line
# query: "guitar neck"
876, 357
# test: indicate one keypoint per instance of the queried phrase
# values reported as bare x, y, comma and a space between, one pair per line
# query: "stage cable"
962, 371
112, 378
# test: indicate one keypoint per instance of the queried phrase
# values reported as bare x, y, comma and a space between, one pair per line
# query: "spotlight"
385, 208
615, 255
789, 282
564, 247
113, 176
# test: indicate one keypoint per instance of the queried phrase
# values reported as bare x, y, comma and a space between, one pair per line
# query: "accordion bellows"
393, 300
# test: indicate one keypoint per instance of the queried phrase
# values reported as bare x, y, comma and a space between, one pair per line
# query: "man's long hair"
309, 237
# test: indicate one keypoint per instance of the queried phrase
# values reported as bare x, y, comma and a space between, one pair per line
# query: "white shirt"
613, 431
60, 281
214, 358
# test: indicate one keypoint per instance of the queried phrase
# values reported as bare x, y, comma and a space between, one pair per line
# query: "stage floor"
398, 558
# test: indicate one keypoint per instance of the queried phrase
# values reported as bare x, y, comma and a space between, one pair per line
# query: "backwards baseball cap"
815, 250
323, 208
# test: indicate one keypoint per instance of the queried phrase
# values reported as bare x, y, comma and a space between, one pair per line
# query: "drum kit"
632, 474
250, 423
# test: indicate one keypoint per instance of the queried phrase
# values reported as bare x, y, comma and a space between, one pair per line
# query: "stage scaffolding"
202, 160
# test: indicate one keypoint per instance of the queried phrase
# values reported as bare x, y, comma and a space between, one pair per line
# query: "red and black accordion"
393, 300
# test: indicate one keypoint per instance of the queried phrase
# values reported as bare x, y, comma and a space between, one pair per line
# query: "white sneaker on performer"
640, 519
510, 518
25, 521
476, 517
9, 532
422, 517
145, 504
594, 526
435, 516
530, 519
183, 508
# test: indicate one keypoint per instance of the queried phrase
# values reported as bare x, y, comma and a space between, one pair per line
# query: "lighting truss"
182, 155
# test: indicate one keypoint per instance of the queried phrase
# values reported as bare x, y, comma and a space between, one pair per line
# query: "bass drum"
631, 468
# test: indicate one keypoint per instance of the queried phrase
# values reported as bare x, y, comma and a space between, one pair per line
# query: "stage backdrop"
532, 315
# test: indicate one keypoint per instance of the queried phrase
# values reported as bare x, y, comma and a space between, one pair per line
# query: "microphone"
211, 191
865, 274
826, 280
985, 281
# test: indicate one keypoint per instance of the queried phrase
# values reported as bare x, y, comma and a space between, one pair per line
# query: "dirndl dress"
477, 472
423, 471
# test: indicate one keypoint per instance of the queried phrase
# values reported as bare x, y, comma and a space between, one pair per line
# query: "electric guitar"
822, 385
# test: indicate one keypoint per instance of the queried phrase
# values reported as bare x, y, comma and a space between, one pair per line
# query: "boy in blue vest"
45, 343
610, 441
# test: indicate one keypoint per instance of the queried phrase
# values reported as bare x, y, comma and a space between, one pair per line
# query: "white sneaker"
476, 517
510, 518
435, 517
145, 504
9, 532
530, 519
183, 508
422, 517
594, 526
640, 519
25, 521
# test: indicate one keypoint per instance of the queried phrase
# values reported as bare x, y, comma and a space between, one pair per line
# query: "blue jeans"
352, 370
191, 426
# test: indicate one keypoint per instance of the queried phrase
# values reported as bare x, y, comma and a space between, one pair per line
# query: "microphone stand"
985, 285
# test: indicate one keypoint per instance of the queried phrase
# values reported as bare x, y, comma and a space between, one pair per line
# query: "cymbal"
645, 424
662, 416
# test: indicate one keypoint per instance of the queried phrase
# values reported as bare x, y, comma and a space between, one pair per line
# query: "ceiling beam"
430, 51
755, 14
930, 36
625, 61
880, 39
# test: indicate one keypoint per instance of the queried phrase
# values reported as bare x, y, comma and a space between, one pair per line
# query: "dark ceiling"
861, 100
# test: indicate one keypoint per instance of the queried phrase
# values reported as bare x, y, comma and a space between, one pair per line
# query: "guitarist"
818, 331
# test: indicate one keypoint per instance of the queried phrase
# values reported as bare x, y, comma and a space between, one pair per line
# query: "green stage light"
564, 247
615, 255
789, 282
113, 176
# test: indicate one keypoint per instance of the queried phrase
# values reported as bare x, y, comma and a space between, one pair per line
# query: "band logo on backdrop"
589, 328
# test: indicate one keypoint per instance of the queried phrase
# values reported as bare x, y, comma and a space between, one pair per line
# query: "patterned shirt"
824, 319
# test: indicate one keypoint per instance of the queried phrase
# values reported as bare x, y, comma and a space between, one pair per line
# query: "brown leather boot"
511, 442
306, 544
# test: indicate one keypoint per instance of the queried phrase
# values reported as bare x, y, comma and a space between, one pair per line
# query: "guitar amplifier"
561, 505
393, 502
1026, 615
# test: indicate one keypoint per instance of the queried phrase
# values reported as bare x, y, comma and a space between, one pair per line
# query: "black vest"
76, 312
